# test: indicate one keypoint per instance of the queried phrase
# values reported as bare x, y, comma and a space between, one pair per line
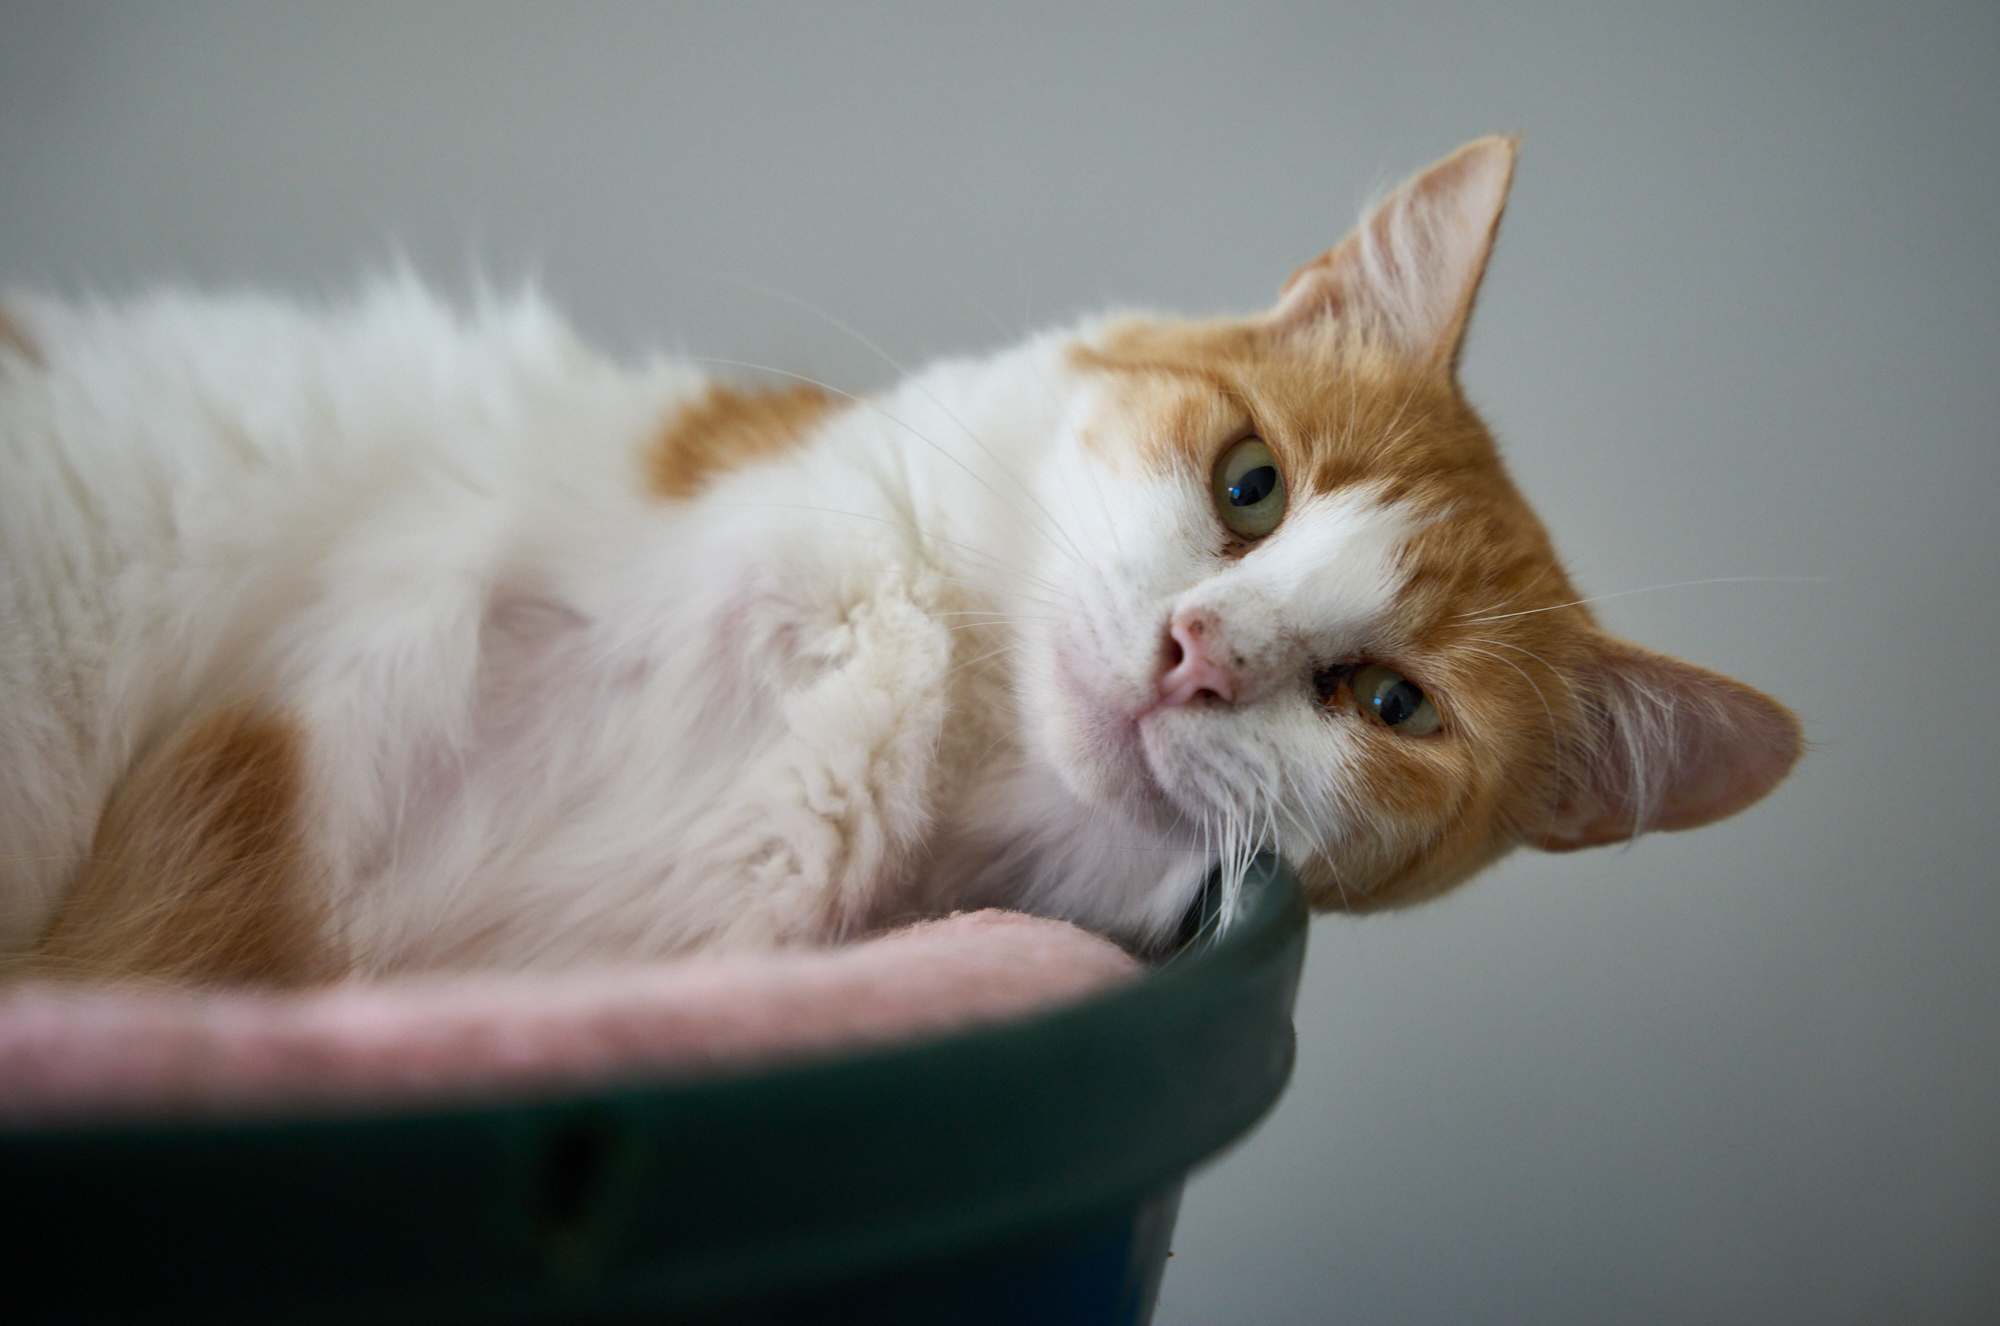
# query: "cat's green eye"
1395, 700
1249, 489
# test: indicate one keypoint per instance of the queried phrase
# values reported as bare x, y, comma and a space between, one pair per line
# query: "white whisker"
1555, 734
1678, 584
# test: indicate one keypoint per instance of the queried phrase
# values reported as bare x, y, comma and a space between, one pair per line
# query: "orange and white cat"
386, 637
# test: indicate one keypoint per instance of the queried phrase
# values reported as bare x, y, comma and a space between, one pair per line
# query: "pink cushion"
72, 1051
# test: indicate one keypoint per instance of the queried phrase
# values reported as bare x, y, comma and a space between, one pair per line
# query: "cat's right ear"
1405, 277
1669, 746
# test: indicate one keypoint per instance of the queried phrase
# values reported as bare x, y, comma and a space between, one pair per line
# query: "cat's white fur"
551, 715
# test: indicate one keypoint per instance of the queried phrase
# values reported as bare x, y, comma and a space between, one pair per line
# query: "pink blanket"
71, 1052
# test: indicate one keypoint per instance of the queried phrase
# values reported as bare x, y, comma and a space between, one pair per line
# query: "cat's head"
1311, 609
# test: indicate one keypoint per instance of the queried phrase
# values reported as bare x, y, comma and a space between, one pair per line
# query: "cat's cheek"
1414, 816
1092, 744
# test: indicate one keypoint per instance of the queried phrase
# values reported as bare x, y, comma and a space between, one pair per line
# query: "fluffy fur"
571, 661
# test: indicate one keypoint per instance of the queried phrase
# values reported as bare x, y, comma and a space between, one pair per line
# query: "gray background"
1742, 322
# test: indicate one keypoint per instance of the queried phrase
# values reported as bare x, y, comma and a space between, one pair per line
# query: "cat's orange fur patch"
726, 429
15, 340
198, 870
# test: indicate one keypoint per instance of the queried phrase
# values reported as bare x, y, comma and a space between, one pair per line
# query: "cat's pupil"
1398, 702
1254, 486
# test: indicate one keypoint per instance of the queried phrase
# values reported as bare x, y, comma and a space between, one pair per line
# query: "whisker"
1414, 425
996, 589
1553, 669
995, 623
1555, 735
1678, 584
994, 613
1408, 398
1491, 607
1009, 735
1004, 649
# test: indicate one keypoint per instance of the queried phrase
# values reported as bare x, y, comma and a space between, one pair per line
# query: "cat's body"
389, 638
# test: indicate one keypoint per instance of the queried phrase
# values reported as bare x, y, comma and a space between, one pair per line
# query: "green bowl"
1028, 1171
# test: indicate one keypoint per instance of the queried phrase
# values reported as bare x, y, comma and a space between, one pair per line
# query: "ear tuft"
1674, 747
1406, 276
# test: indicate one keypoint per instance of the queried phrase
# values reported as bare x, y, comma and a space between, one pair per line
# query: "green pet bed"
1024, 1171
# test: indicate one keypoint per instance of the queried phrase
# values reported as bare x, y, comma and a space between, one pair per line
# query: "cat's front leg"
834, 812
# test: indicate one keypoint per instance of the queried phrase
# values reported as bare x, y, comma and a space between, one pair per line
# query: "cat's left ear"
1407, 274
1670, 746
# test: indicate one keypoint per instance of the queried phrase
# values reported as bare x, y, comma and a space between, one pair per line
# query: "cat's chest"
766, 737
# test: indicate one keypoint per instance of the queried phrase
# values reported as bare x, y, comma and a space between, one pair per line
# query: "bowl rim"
664, 1190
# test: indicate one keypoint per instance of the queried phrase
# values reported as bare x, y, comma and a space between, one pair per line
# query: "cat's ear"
1407, 274
1672, 746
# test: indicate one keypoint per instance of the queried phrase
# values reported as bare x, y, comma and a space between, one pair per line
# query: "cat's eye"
1249, 489
1395, 700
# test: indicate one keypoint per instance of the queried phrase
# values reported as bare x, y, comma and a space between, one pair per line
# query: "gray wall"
1742, 323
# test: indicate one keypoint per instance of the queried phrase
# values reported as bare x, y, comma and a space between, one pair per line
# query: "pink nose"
1193, 661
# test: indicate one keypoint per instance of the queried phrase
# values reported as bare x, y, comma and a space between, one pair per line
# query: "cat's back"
114, 413
190, 485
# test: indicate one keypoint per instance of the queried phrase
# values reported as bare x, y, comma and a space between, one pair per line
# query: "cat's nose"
1195, 660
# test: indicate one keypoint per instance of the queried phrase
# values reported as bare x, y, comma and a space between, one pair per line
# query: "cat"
388, 637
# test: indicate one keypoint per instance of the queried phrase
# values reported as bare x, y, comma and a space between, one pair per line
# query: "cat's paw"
847, 790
